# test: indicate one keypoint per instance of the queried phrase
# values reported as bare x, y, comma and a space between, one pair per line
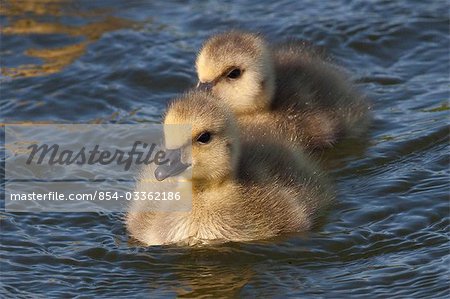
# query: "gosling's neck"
205, 184
262, 101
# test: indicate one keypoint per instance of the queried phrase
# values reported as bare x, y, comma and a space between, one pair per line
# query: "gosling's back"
310, 84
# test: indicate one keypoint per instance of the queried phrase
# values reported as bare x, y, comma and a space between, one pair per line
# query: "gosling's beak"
173, 167
205, 86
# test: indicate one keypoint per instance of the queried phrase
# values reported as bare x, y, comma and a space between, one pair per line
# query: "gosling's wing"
291, 180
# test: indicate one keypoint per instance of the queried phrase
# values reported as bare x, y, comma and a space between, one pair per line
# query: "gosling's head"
210, 145
238, 68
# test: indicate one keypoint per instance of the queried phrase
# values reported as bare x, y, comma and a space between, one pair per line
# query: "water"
120, 61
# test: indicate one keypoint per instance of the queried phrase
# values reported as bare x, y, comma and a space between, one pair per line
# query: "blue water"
121, 61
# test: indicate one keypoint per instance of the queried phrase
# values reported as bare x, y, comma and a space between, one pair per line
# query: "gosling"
291, 89
243, 187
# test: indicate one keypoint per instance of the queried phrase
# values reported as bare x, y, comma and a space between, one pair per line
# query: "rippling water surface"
120, 61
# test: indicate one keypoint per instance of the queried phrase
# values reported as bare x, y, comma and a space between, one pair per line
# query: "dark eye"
234, 74
204, 138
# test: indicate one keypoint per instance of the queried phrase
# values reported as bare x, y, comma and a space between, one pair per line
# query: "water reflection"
201, 277
208, 280
46, 18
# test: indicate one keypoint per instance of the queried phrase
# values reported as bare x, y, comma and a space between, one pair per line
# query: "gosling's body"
316, 96
251, 187
291, 89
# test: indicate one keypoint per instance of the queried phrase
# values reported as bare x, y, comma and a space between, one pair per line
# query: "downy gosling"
243, 187
291, 89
